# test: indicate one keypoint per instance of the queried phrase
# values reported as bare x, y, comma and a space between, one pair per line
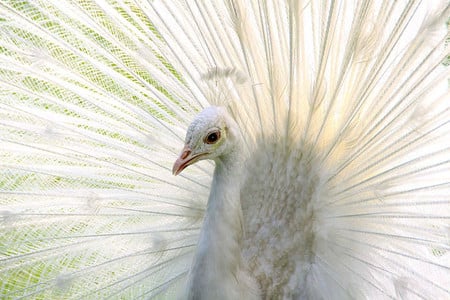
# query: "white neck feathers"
217, 269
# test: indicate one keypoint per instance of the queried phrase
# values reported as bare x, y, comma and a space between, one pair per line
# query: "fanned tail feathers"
95, 97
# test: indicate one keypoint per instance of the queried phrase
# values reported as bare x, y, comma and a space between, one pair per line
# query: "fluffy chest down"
279, 206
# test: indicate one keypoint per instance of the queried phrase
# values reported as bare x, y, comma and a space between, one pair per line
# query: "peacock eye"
212, 137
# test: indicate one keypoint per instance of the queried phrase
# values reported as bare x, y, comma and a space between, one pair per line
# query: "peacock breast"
279, 201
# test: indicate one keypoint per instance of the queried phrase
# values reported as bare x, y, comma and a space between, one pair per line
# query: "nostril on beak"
185, 154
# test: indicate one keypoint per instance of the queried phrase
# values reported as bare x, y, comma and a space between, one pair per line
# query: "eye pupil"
212, 137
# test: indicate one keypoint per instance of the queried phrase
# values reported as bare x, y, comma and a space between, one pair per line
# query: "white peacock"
328, 122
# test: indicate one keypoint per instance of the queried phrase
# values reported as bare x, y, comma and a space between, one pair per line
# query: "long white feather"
344, 105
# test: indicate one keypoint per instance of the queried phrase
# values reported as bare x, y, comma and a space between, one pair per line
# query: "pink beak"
185, 159
182, 162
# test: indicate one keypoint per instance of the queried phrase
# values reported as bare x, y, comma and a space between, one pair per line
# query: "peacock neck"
218, 258
224, 198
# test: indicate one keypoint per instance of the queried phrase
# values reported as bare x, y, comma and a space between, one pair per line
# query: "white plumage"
219, 269
342, 170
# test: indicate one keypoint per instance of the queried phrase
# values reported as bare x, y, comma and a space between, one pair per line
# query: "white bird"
328, 122
219, 271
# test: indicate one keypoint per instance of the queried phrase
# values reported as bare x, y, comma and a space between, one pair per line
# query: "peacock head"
211, 135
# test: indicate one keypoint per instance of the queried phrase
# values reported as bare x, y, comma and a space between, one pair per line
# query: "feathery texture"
344, 109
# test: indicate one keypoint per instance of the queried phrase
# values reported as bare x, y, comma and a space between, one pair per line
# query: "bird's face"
209, 136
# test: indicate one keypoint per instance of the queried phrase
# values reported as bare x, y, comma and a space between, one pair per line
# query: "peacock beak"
185, 159
182, 161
